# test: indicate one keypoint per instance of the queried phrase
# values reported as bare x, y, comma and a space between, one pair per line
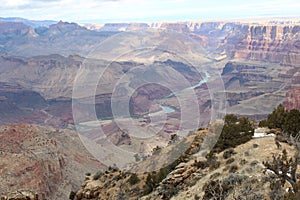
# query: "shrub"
215, 189
246, 153
228, 153
263, 123
137, 157
236, 131
291, 122
214, 165
243, 162
112, 169
170, 193
174, 138
150, 184
285, 170
133, 179
72, 195
212, 161
288, 121
156, 150
153, 179
234, 179
117, 177
201, 164
233, 169
98, 175
220, 189
229, 161
253, 163
277, 117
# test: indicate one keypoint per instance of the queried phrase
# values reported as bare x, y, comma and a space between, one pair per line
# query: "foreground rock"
242, 170
20, 195
48, 162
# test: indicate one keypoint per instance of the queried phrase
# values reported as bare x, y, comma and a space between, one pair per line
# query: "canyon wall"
266, 43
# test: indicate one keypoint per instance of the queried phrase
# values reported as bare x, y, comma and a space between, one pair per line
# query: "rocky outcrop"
239, 168
114, 183
20, 195
44, 160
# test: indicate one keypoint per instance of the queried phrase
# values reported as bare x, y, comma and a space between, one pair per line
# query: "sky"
103, 11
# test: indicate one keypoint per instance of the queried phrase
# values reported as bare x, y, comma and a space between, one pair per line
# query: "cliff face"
43, 160
292, 100
268, 43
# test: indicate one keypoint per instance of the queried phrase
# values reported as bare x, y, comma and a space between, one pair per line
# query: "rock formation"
46, 161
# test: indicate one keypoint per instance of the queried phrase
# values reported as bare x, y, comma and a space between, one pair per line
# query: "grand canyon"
76, 99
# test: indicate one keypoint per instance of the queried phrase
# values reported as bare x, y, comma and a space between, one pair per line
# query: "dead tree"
284, 168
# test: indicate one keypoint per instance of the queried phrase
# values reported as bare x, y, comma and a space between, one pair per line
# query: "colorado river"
165, 108
168, 109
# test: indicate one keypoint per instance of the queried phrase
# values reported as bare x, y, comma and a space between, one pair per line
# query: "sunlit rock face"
268, 43
293, 99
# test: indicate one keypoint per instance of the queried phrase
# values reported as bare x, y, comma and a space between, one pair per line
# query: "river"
166, 108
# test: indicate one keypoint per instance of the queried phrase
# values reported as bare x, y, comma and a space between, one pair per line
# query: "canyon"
257, 63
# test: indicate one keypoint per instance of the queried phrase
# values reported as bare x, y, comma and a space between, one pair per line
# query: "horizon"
127, 11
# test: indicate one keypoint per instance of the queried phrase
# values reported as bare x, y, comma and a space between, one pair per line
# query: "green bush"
236, 131
263, 123
277, 117
287, 121
292, 122
150, 183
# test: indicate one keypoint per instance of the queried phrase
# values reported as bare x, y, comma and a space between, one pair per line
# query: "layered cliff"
266, 43
292, 100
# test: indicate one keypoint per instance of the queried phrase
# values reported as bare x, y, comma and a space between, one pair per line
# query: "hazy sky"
145, 10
